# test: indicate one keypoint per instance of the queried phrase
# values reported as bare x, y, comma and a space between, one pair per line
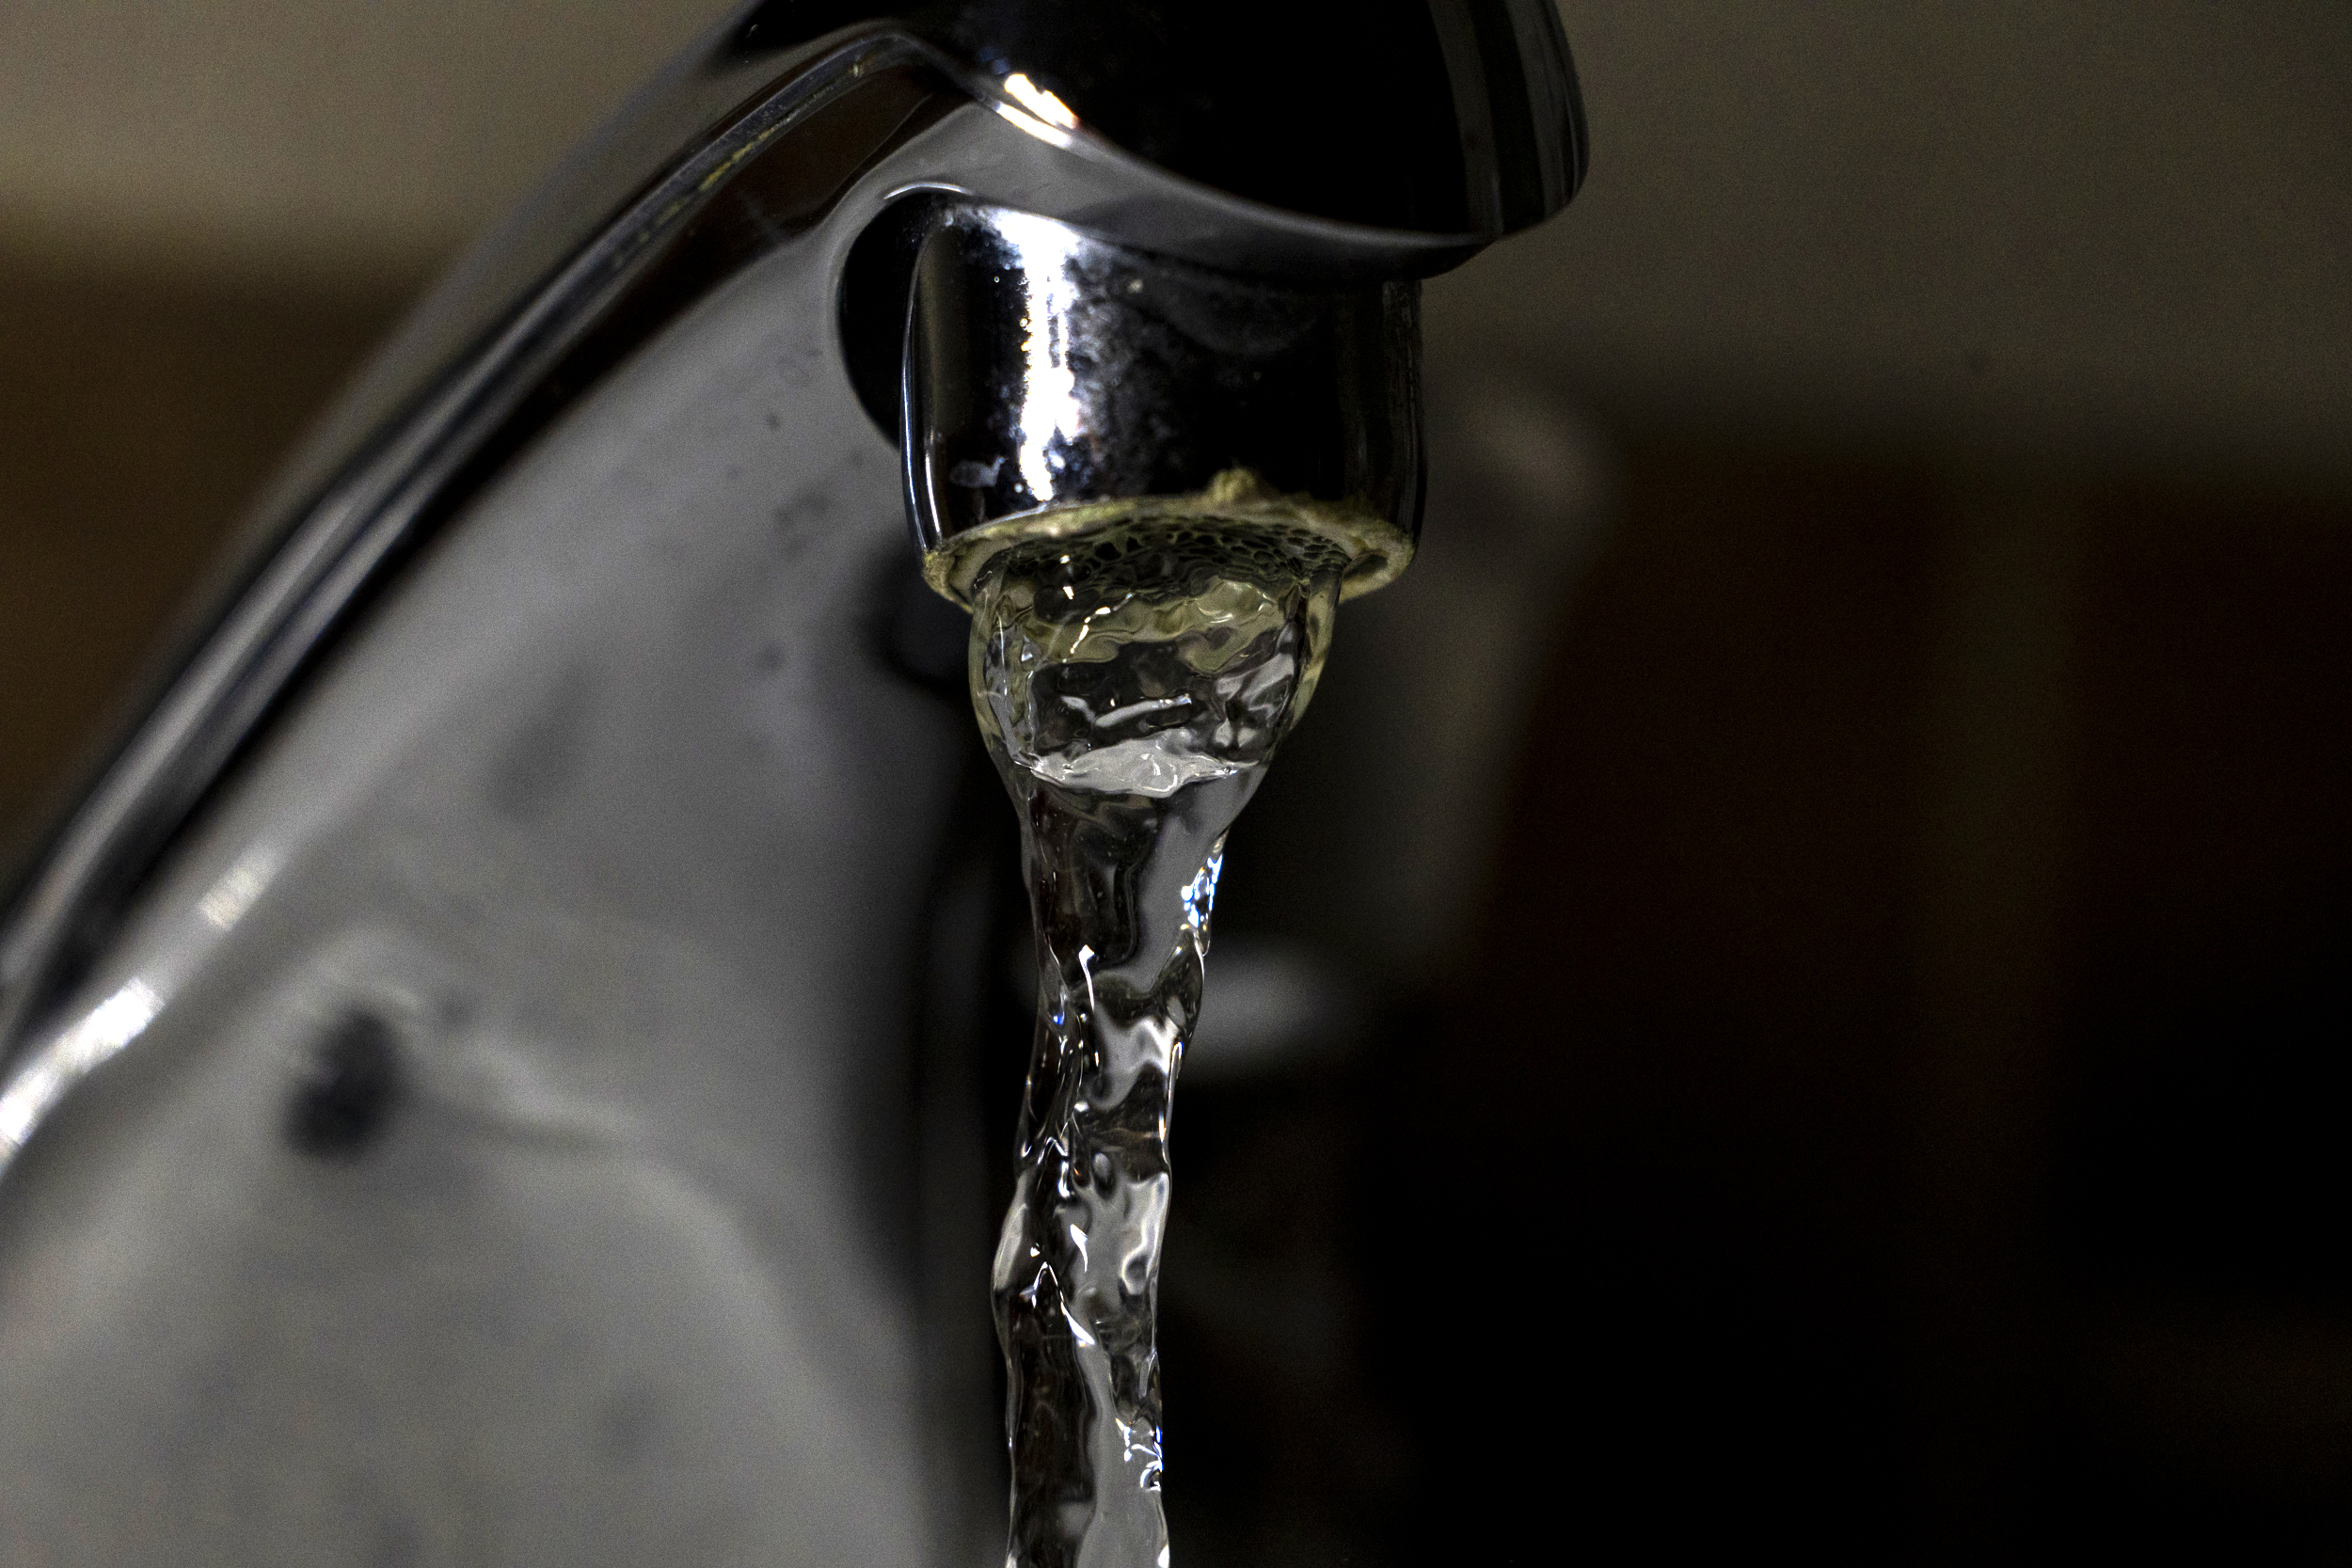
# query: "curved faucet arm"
1374, 139
783, 125
1439, 117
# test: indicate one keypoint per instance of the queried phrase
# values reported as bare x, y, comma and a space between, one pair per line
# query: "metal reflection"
226, 902
1040, 102
52, 1070
1052, 421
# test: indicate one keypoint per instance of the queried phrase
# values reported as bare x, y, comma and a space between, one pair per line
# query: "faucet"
487, 1057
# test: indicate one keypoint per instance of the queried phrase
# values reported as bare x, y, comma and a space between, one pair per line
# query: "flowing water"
1132, 685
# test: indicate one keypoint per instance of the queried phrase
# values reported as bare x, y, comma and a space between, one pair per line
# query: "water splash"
1132, 686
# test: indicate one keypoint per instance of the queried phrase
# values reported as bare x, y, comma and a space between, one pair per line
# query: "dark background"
1884, 1091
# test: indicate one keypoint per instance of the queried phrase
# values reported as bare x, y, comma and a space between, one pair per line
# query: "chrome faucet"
472, 1059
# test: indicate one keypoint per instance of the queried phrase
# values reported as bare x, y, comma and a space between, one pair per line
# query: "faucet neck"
1459, 117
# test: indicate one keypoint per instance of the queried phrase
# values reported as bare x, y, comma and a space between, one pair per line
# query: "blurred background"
1859, 1062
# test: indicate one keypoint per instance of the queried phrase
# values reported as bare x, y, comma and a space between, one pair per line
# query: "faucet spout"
1056, 382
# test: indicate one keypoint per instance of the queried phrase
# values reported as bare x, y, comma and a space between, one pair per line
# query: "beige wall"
2112, 229
303, 136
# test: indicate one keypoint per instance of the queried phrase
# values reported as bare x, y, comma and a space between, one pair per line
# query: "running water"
1132, 685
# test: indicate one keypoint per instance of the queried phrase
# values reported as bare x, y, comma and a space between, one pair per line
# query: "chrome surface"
475, 1058
662, 205
1439, 116
616, 834
1048, 370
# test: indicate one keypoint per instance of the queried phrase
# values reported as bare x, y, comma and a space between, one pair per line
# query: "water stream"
1132, 685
